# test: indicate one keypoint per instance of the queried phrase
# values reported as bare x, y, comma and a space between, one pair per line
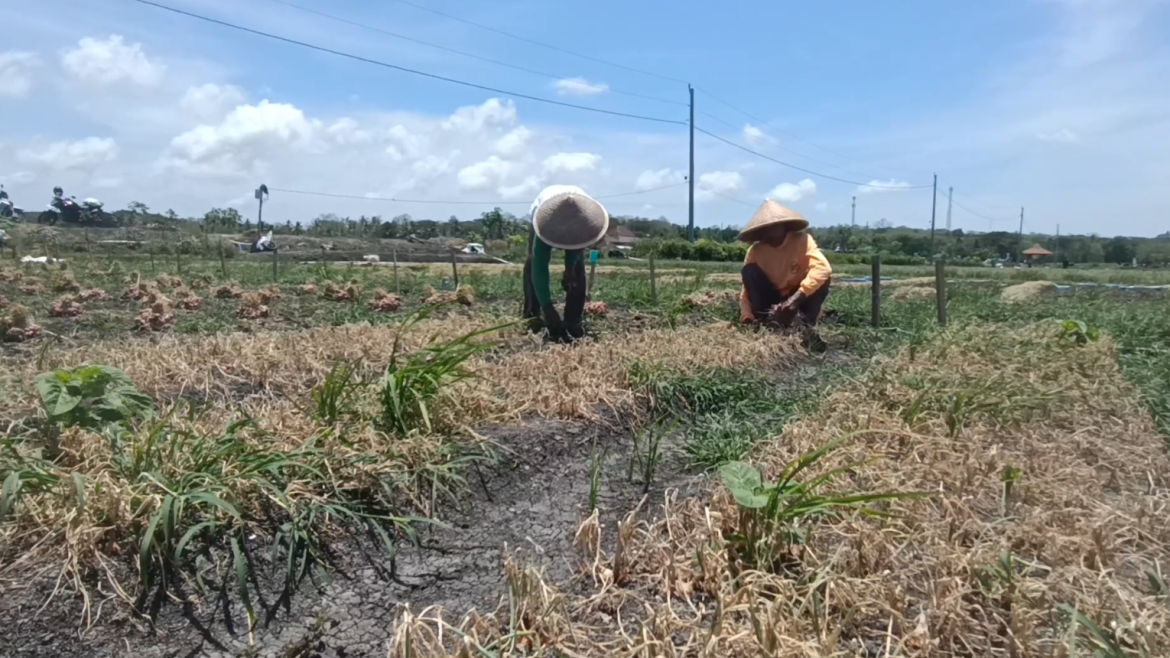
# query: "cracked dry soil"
529, 502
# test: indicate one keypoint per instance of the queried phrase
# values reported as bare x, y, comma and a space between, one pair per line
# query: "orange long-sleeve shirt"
796, 264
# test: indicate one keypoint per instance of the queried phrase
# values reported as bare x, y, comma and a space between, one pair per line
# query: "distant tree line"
669, 240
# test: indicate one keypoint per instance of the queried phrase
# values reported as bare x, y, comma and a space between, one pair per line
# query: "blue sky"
1060, 106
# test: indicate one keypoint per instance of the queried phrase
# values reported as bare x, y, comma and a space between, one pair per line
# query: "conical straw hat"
771, 214
570, 221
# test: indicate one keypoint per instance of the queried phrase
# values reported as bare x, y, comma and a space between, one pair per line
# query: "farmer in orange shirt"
785, 275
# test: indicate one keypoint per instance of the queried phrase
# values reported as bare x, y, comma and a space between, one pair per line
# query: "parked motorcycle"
7, 210
69, 210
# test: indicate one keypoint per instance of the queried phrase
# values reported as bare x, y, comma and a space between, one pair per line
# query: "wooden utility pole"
933, 208
876, 299
691, 174
940, 287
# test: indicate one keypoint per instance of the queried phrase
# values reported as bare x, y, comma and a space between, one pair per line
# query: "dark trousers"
573, 282
763, 296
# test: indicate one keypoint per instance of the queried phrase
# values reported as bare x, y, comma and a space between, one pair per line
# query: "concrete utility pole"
1020, 238
853, 217
933, 208
691, 173
950, 194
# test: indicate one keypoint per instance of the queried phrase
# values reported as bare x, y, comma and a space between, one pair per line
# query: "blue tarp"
862, 279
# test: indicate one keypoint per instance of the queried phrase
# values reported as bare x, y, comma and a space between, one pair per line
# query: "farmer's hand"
785, 312
747, 318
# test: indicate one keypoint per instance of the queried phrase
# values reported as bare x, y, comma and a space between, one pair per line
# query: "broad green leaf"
745, 484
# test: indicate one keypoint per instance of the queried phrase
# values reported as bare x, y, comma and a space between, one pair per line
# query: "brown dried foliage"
32, 288
306, 289
158, 314
66, 307
1086, 523
598, 309
93, 295
350, 292
385, 302
227, 291
16, 326
464, 295
252, 306
167, 282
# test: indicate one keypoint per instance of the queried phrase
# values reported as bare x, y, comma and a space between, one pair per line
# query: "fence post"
653, 281
940, 286
150, 252
179, 257
222, 261
275, 260
397, 288
876, 277
455, 269
592, 276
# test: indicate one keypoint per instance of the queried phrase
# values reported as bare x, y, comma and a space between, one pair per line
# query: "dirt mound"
1027, 291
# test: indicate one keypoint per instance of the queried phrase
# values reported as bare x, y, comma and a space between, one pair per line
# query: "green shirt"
541, 257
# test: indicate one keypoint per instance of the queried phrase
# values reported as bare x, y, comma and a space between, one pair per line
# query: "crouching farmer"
785, 275
562, 217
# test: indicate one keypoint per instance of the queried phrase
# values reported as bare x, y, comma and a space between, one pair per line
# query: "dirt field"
331, 477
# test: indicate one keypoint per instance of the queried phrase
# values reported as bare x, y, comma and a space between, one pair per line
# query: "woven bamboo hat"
771, 214
570, 220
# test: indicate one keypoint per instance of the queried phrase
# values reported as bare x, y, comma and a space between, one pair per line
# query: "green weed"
776, 515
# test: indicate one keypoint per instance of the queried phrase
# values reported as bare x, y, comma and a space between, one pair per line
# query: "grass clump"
726, 412
409, 393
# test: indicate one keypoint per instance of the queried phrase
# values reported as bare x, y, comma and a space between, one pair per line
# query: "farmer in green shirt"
562, 217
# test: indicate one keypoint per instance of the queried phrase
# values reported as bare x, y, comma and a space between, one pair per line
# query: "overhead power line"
455, 202
460, 52
725, 196
540, 43
980, 215
801, 139
807, 171
405, 69
984, 205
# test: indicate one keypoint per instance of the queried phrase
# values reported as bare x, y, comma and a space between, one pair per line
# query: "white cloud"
83, 154
346, 131
525, 189
651, 179
210, 100
483, 175
879, 187
1063, 135
18, 178
107, 182
722, 181
793, 192
433, 166
571, 163
110, 62
755, 137
243, 140
513, 144
579, 87
492, 114
16, 73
